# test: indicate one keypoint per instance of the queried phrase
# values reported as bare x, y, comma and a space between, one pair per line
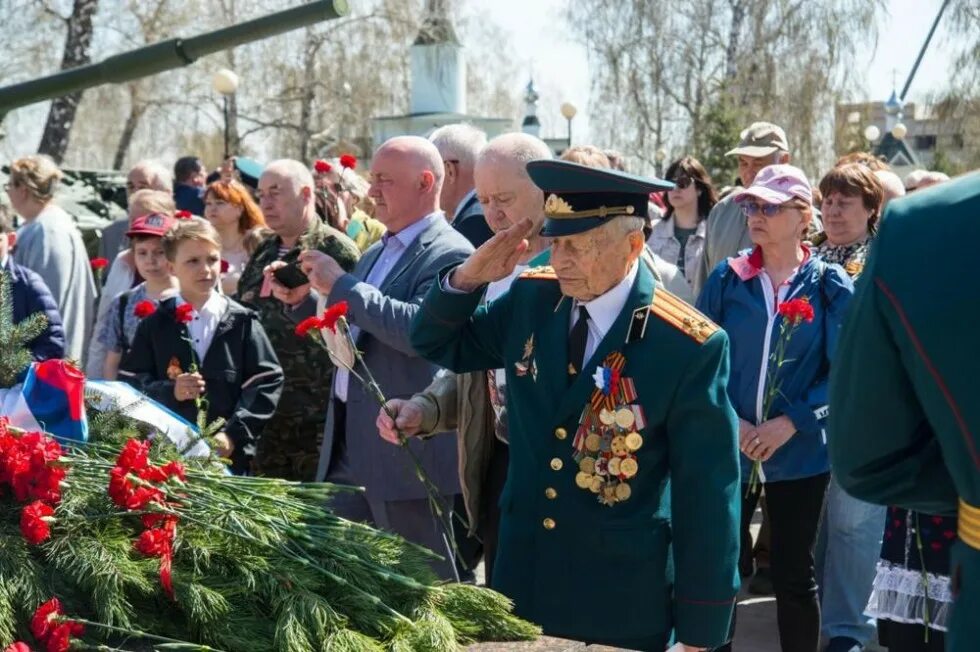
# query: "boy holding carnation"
203, 351
127, 309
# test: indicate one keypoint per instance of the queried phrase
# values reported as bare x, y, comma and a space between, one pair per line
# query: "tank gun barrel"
166, 55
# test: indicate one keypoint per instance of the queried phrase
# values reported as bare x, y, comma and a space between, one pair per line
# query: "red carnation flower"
175, 469
32, 524
153, 474
796, 311
144, 309
183, 215
309, 324
332, 315
155, 543
225, 266
135, 455
168, 522
120, 488
99, 263
60, 638
348, 161
43, 620
321, 166
184, 313
17, 646
141, 497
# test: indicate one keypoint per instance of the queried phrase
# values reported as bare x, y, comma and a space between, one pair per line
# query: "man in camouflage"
290, 445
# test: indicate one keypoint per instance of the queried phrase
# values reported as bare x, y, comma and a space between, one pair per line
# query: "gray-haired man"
459, 146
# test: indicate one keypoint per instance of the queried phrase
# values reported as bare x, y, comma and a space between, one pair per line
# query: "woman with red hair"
229, 206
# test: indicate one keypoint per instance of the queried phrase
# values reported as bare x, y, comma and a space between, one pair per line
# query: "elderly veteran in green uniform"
914, 439
622, 438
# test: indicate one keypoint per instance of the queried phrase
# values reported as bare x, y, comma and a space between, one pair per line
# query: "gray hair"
516, 147
298, 174
914, 178
157, 173
891, 183
620, 227
459, 142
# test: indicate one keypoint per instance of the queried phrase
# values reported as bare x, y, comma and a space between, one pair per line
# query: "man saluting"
616, 392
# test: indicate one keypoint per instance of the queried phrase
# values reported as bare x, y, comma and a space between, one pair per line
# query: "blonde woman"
50, 244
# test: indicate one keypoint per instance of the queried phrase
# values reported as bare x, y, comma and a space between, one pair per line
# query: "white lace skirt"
901, 595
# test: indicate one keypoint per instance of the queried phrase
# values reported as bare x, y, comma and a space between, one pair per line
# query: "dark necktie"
577, 339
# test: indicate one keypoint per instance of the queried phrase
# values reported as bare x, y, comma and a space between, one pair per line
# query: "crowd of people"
465, 265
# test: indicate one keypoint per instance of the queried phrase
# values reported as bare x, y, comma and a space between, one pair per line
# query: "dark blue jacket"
743, 304
31, 295
189, 198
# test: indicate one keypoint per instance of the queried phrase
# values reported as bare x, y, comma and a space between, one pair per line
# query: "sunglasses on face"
752, 208
683, 182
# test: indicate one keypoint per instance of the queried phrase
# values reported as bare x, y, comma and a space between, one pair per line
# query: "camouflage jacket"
305, 365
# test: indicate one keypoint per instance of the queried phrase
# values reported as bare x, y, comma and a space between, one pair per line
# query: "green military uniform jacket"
290, 445
579, 568
905, 409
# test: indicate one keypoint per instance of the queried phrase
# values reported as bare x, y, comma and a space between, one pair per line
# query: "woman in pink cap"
782, 409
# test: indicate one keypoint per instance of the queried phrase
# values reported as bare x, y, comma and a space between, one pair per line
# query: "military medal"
527, 363
608, 436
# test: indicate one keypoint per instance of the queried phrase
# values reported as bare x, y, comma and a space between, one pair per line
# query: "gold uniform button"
556, 464
561, 433
550, 493
549, 523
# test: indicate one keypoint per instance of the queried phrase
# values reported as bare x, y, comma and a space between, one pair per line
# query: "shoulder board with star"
545, 272
681, 316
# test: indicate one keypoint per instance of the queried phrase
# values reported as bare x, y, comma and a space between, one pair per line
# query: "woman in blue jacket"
743, 295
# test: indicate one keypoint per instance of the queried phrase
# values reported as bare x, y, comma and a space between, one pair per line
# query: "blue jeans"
848, 548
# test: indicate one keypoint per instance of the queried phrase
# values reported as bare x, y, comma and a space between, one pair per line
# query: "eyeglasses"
683, 183
752, 208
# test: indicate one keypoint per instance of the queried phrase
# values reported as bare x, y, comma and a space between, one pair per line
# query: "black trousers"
794, 512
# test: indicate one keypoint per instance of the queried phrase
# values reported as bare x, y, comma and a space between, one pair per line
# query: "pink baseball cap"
778, 184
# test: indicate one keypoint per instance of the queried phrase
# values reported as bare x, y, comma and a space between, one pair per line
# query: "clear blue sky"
562, 74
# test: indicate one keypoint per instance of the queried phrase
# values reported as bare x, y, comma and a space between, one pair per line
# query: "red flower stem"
439, 509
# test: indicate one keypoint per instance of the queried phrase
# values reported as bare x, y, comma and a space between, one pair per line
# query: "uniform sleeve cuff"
703, 623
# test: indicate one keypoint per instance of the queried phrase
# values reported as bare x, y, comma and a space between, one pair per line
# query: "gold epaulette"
545, 271
682, 316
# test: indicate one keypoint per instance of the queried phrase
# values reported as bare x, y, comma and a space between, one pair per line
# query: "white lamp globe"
872, 133
899, 131
568, 110
225, 81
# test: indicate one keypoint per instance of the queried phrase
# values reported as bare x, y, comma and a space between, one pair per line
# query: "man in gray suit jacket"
384, 292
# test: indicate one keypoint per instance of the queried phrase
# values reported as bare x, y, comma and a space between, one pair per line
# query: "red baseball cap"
154, 224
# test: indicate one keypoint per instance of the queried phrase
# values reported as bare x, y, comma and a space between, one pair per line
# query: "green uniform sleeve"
704, 473
454, 331
881, 446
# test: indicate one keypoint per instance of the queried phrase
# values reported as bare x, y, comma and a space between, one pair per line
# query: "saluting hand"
495, 259
408, 420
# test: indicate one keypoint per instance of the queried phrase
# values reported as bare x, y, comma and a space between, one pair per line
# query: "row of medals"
608, 460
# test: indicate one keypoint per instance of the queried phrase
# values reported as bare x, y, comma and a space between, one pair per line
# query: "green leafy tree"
723, 125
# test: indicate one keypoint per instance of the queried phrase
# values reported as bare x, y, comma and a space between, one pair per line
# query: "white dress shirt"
204, 323
393, 247
603, 310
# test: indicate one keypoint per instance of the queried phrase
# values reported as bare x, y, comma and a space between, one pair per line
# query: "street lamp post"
568, 111
225, 82
660, 156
